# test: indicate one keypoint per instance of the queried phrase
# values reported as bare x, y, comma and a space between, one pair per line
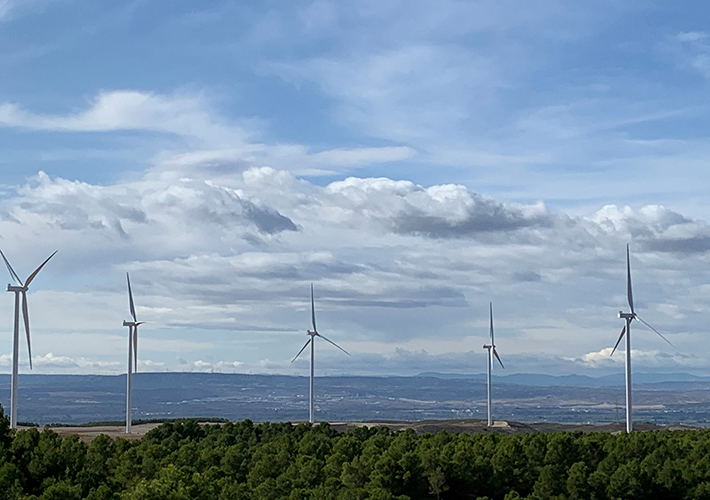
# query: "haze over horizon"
415, 161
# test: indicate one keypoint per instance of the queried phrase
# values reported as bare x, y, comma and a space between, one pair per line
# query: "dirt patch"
86, 434
467, 426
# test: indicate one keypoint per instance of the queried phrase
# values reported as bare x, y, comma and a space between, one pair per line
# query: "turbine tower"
626, 330
132, 353
19, 289
313, 334
491, 352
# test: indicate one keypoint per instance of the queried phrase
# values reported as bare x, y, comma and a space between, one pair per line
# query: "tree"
437, 483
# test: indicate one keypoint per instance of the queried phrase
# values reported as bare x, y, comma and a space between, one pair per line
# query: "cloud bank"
398, 268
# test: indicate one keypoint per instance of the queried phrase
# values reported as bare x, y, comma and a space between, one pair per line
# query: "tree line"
243, 460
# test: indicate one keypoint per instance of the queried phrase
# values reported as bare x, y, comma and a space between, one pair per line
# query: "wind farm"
468, 410
206, 169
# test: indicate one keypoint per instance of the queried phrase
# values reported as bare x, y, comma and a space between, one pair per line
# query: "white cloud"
223, 236
691, 36
692, 50
5, 6
50, 363
642, 359
299, 160
193, 119
395, 265
187, 116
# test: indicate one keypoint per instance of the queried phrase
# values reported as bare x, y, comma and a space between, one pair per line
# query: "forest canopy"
243, 460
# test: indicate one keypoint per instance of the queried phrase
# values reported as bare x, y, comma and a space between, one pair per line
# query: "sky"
414, 160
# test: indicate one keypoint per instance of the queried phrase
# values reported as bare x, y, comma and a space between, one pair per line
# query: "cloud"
299, 160
187, 116
193, 119
184, 211
381, 93
641, 359
692, 51
50, 363
219, 366
444, 211
222, 269
5, 6
656, 228
691, 36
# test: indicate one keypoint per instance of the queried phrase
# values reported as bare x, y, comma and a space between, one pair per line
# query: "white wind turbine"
132, 353
20, 289
626, 330
313, 334
491, 352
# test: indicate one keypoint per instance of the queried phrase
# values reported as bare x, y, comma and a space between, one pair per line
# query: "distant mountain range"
535, 379
671, 398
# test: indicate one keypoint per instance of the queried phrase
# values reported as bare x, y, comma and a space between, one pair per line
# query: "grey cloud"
268, 220
206, 203
656, 229
272, 277
408, 362
124, 211
691, 245
484, 217
529, 276
426, 284
121, 209
445, 211
231, 326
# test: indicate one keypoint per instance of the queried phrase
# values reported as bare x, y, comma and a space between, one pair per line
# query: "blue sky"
415, 160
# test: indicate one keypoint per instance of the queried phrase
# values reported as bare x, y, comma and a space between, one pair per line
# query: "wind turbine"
313, 334
132, 353
20, 289
626, 330
491, 352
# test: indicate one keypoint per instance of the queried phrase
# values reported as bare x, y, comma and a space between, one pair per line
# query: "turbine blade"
623, 331
495, 353
12, 272
26, 318
313, 310
491, 309
629, 294
135, 349
131, 306
302, 349
36, 271
336, 345
657, 332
